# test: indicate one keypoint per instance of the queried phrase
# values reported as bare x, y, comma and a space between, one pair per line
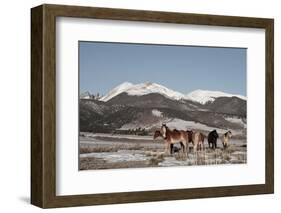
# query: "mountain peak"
117, 90
126, 83
148, 83
142, 89
85, 95
204, 96
148, 87
200, 96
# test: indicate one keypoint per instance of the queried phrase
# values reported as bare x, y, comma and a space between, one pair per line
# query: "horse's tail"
202, 137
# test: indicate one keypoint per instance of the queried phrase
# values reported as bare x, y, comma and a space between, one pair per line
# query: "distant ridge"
199, 96
205, 96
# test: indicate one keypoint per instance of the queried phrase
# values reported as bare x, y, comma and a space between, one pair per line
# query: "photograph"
161, 105
140, 105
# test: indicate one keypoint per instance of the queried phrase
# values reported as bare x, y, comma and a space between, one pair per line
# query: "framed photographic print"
136, 106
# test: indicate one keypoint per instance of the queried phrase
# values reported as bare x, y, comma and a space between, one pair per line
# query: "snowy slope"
143, 89
200, 96
172, 123
85, 95
117, 90
204, 96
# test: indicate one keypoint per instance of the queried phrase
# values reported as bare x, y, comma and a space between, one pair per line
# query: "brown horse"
198, 141
174, 136
157, 134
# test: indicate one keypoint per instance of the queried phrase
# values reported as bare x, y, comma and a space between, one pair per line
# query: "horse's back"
178, 136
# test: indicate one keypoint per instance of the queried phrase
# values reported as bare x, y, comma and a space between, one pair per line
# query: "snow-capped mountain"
88, 95
205, 96
199, 96
117, 90
148, 105
142, 89
85, 95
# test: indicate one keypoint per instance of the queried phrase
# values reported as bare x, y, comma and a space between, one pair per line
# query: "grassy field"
106, 151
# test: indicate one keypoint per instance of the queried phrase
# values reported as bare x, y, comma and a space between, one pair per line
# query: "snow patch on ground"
157, 113
236, 120
119, 136
179, 124
115, 157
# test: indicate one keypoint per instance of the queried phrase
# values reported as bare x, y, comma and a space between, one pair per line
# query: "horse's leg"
226, 144
195, 146
186, 148
167, 147
182, 146
171, 148
192, 146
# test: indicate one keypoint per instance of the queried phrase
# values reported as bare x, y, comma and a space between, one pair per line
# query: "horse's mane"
228, 132
167, 128
175, 130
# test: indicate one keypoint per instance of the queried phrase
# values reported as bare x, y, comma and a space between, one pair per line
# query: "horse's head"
157, 133
215, 133
229, 134
163, 130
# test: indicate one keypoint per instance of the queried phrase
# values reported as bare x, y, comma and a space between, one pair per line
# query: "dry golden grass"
154, 155
91, 149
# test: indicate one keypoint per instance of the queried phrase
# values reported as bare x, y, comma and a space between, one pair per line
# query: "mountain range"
148, 105
201, 96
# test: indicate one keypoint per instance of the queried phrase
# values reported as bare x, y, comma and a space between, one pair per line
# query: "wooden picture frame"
43, 105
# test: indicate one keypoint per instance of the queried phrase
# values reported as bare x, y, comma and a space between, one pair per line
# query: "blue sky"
103, 65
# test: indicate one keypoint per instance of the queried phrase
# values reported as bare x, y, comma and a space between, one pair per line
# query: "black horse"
212, 139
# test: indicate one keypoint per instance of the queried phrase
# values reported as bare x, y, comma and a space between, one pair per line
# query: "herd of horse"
197, 138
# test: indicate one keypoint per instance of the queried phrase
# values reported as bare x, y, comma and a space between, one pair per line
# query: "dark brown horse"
174, 136
212, 139
197, 139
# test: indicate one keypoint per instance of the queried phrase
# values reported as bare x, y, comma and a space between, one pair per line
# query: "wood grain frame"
43, 105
